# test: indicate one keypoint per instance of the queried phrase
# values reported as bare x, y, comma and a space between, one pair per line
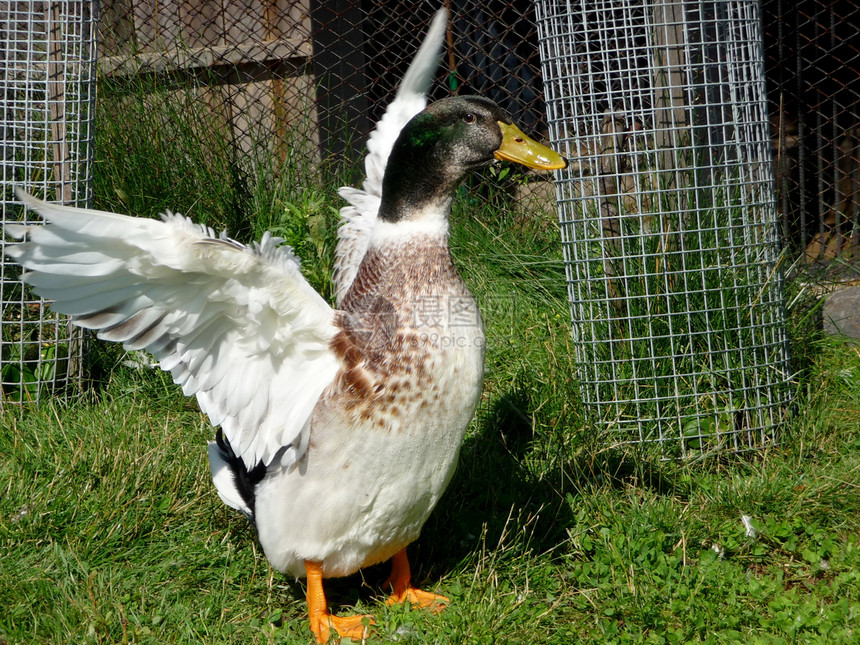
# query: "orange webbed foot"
322, 621
417, 598
356, 628
403, 591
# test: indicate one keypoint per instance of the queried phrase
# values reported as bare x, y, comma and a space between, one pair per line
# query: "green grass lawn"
111, 532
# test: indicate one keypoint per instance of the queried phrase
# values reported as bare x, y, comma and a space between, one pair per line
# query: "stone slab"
842, 312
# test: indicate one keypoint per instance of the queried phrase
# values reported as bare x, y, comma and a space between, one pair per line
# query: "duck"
338, 427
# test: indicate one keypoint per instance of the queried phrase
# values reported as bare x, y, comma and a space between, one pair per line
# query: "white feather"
224, 482
359, 218
237, 326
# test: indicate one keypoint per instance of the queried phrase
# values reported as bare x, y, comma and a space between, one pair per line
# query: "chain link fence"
308, 78
313, 77
812, 59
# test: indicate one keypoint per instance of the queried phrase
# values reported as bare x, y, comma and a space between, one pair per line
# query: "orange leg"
400, 581
322, 621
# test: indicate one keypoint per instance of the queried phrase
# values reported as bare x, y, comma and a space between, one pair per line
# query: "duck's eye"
469, 118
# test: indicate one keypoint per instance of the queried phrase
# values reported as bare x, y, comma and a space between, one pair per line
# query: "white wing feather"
359, 218
238, 326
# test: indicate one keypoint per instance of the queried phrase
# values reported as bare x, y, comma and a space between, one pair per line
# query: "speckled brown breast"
397, 336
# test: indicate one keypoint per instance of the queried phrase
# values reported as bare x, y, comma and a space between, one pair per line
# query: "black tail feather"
246, 480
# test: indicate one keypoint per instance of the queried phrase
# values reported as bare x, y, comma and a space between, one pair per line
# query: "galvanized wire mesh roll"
47, 67
668, 219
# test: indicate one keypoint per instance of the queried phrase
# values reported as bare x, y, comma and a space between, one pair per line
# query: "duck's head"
441, 145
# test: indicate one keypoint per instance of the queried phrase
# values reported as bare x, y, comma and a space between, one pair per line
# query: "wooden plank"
252, 109
288, 18
145, 18
165, 24
116, 28
203, 57
253, 57
244, 20
274, 114
168, 26
295, 123
202, 23
56, 100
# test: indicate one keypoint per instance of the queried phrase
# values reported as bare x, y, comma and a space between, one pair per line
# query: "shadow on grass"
504, 492
495, 498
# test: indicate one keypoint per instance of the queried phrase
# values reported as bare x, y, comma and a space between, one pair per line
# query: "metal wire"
668, 219
666, 204
47, 54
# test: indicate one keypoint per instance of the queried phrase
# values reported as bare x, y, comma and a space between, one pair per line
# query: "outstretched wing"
359, 218
238, 326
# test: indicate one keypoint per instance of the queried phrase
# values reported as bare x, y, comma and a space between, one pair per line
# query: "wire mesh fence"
668, 220
47, 54
666, 161
310, 77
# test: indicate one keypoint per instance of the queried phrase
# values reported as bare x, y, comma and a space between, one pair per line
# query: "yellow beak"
517, 147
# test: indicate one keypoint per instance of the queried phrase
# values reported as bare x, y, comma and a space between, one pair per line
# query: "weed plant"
551, 532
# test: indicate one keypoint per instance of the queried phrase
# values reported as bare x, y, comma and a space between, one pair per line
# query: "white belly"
363, 492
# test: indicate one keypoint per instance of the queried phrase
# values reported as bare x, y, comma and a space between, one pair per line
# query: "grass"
110, 531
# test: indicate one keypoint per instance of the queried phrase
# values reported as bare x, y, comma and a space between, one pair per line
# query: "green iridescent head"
449, 139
